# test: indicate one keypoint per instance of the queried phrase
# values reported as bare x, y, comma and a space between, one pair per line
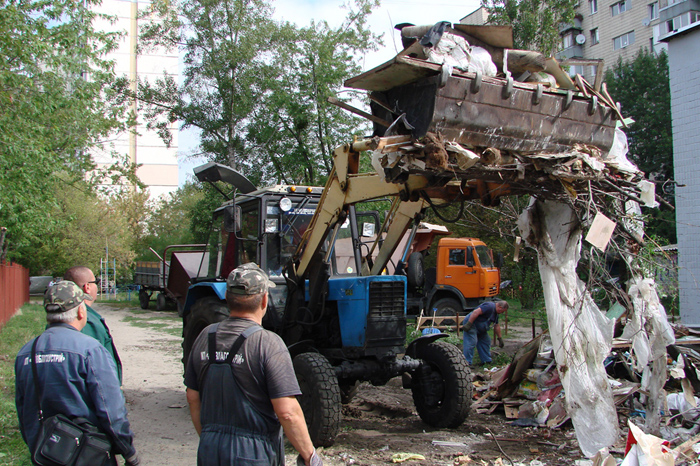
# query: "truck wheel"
415, 274
448, 307
442, 390
161, 302
144, 299
204, 312
320, 397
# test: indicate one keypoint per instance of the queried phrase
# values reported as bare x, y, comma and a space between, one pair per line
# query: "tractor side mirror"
499, 260
232, 217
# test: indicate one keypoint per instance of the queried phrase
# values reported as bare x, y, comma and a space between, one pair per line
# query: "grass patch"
25, 325
151, 318
166, 323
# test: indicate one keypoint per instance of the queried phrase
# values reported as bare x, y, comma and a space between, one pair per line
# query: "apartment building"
159, 164
605, 31
684, 77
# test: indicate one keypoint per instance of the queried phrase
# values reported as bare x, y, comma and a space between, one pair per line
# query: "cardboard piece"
601, 231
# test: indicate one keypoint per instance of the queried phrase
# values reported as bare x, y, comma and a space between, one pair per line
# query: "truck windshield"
285, 229
346, 248
484, 256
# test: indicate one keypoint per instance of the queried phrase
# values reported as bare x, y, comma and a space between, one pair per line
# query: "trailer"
170, 279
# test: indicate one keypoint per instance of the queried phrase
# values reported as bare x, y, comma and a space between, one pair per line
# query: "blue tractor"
342, 316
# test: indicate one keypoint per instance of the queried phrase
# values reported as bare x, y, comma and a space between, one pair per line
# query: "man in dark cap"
241, 385
96, 326
76, 375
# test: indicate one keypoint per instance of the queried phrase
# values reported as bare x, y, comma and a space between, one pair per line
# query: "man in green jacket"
96, 326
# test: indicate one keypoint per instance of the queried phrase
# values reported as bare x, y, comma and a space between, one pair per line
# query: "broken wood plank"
483, 397
685, 446
520, 61
564, 81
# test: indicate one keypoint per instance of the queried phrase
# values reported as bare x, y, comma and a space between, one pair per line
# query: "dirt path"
152, 385
378, 423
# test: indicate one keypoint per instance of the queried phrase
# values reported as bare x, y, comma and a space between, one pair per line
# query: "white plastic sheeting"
580, 332
454, 51
650, 334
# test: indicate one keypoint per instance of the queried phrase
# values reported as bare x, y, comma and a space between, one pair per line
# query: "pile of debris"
458, 107
529, 392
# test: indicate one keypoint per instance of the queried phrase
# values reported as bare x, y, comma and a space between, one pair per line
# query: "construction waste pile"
529, 391
461, 108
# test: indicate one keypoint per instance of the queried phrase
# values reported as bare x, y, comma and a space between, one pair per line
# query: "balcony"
576, 25
671, 9
575, 51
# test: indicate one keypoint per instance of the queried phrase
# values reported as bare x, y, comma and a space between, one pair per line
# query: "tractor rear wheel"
441, 387
320, 397
204, 312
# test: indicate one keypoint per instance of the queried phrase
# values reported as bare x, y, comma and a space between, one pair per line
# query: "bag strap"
37, 387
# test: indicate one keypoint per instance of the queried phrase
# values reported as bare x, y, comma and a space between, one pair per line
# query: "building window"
681, 21
594, 6
567, 40
576, 69
667, 3
620, 42
620, 7
654, 10
594, 36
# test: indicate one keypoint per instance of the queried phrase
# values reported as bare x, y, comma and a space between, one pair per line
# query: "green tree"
86, 224
296, 141
535, 23
171, 222
226, 46
642, 87
56, 102
256, 90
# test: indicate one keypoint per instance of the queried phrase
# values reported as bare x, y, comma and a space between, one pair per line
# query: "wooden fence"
14, 290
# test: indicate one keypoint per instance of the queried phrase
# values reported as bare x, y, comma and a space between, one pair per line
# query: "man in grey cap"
76, 375
241, 385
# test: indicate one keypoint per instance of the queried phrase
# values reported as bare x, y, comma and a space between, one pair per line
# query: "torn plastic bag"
617, 156
581, 334
454, 51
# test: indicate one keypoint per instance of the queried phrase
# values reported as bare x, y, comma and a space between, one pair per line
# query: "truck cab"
465, 274
466, 265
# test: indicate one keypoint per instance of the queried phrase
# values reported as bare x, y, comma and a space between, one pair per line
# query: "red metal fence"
14, 289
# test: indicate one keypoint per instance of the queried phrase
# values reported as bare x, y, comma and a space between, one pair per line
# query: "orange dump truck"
465, 275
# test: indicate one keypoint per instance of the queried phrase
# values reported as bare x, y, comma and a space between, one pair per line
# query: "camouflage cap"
248, 279
63, 296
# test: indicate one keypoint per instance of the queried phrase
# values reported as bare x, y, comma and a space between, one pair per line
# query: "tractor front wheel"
320, 397
442, 388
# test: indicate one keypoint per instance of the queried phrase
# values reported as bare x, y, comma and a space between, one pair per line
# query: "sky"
382, 20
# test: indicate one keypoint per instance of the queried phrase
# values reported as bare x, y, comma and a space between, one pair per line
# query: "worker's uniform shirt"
478, 336
241, 428
78, 378
96, 327
488, 316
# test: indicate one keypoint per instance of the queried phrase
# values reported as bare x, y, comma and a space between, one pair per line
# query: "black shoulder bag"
67, 442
